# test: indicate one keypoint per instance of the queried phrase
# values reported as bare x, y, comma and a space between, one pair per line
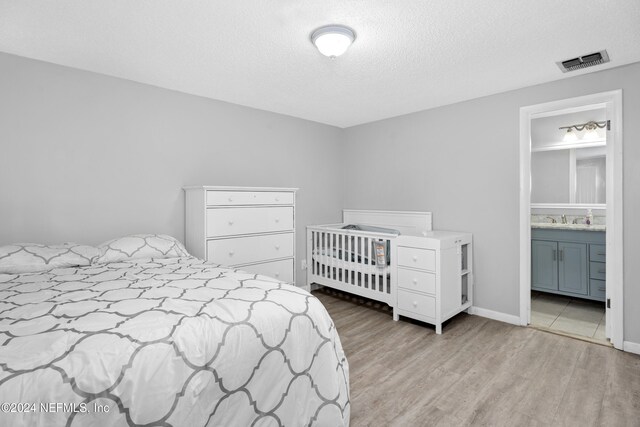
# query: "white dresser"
250, 228
434, 279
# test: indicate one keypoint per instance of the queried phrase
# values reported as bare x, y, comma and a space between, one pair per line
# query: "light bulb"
591, 134
570, 136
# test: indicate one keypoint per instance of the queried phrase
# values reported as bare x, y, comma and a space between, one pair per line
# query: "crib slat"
318, 257
374, 274
333, 253
338, 255
367, 261
347, 258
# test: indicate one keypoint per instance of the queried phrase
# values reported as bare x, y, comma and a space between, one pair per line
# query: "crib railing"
346, 260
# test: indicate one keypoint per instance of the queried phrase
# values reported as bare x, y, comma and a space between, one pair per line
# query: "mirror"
575, 175
568, 171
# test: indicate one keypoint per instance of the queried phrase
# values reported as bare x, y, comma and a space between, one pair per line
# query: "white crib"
343, 259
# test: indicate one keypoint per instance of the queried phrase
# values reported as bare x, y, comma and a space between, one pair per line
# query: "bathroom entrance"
571, 218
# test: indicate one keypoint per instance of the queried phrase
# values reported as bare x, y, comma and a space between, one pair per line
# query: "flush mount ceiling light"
333, 40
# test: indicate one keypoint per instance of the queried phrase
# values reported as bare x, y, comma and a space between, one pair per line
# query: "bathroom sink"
560, 226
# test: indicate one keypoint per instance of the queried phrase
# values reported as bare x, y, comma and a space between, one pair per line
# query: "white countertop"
560, 226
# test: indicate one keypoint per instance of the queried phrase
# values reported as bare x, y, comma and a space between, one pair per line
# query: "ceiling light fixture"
333, 40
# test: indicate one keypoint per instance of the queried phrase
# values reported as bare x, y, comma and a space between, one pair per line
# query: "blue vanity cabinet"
544, 265
572, 268
568, 262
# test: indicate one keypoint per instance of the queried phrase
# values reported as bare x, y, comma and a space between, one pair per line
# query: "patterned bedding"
166, 342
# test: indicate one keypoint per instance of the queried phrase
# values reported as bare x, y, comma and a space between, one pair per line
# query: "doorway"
568, 264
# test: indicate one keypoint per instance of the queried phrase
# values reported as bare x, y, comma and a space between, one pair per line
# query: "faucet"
575, 221
564, 219
553, 220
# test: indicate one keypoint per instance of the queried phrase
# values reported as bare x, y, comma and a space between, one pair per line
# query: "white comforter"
166, 342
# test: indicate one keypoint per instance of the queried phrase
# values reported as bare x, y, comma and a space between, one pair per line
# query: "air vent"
584, 61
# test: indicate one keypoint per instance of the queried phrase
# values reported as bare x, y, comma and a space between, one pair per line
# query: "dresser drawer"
228, 198
245, 250
281, 270
598, 289
597, 253
598, 270
233, 221
414, 280
417, 303
417, 258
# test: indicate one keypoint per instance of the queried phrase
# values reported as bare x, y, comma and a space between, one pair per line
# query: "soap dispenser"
589, 218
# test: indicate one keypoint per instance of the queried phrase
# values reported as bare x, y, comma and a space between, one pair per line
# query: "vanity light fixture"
333, 40
590, 127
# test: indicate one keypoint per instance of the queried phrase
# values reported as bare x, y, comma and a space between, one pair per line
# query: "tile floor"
568, 315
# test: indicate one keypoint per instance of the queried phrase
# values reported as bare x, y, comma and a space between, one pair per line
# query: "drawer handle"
231, 199
415, 281
415, 303
230, 222
602, 271
602, 289
231, 253
277, 199
277, 247
415, 258
277, 274
277, 220
601, 254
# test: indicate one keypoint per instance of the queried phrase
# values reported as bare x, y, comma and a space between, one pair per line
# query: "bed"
166, 341
343, 256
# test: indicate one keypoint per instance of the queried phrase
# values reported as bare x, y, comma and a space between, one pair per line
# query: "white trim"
631, 347
495, 315
612, 101
560, 107
568, 206
565, 146
225, 188
615, 235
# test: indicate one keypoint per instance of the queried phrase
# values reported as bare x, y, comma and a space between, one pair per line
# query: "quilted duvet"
166, 342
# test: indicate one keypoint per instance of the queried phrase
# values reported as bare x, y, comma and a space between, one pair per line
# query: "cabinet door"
572, 268
544, 264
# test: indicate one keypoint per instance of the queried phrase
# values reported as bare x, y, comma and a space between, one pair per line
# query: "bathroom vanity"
569, 260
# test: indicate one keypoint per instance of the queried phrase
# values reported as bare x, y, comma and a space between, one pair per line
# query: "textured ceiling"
409, 55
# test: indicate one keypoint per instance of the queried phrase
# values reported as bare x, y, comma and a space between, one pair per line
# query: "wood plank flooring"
479, 372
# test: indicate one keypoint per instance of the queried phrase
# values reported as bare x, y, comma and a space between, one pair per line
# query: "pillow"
34, 257
140, 246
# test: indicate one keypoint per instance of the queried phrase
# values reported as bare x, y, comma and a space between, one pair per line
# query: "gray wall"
86, 157
461, 162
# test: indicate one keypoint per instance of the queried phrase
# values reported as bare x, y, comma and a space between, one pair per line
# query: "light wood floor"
479, 372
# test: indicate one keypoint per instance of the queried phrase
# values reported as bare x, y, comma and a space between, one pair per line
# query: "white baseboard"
631, 347
495, 315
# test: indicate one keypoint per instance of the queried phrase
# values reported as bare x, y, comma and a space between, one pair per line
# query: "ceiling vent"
584, 61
